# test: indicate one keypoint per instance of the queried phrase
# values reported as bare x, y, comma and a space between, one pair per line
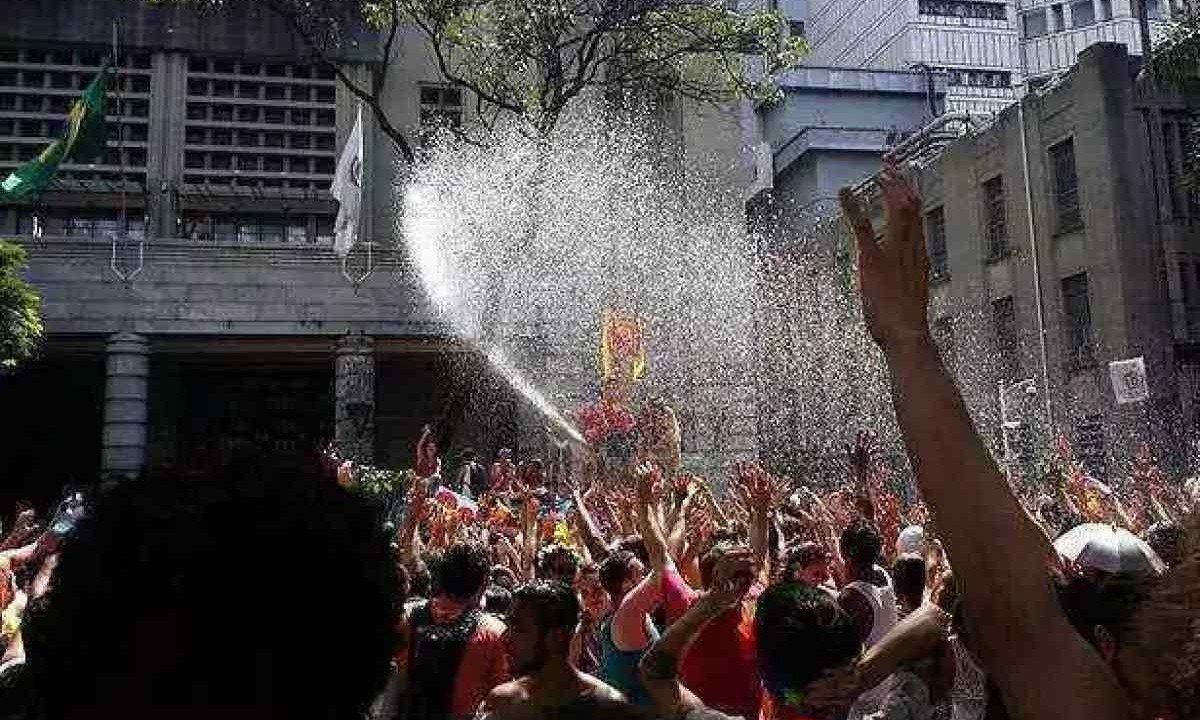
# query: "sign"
1129, 380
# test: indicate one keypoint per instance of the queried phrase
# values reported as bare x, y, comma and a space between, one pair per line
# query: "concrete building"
989, 50
831, 129
974, 43
1054, 33
224, 315
1117, 275
190, 292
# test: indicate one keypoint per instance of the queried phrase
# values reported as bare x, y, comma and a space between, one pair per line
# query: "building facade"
973, 43
830, 130
989, 50
1095, 255
1054, 33
191, 297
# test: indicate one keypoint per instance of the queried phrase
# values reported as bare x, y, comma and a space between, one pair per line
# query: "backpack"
434, 654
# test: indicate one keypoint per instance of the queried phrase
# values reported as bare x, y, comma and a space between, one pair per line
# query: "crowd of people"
622, 586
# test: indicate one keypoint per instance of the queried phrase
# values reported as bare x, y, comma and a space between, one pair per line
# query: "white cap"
911, 541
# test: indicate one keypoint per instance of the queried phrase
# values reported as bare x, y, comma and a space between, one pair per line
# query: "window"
441, 107
1154, 9
1035, 23
1083, 13
1066, 186
1089, 441
935, 231
943, 338
1004, 324
1056, 12
961, 9
1078, 316
1106, 9
995, 217
297, 229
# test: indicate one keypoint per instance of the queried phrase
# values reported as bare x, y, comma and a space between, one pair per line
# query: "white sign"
1129, 380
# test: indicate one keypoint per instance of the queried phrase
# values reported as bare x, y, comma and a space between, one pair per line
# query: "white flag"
347, 190
1129, 380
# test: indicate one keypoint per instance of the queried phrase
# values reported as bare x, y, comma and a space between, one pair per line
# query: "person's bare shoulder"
601, 690
504, 700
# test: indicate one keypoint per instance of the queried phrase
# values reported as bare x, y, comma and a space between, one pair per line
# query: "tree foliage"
529, 58
1175, 60
20, 317
1175, 63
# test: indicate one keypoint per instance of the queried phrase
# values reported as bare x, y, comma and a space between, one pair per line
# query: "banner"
622, 349
1129, 380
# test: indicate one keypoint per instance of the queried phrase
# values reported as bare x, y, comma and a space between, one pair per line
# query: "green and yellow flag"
84, 139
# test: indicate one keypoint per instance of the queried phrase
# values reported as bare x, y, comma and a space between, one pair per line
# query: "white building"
1054, 32
975, 42
989, 49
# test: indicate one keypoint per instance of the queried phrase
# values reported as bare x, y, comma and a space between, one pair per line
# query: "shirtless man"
541, 625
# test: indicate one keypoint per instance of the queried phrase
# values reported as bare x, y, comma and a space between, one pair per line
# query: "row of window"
71, 57
198, 135
205, 87
258, 115
246, 68
977, 78
61, 104
67, 80
96, 224
1053, 18
963, 9
294, 228
253, 182
194, 160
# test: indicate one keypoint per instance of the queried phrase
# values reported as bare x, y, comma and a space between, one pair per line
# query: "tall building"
1069, 235
975, 43
1054, 33
988, 49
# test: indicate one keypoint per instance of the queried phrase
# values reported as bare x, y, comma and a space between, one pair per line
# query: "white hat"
911, 541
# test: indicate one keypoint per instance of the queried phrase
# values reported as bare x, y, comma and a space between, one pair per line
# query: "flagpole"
123, 228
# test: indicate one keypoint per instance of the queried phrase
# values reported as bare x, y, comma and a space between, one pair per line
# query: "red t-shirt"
721, 665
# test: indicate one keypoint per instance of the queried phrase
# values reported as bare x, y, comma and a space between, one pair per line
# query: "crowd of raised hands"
530, 589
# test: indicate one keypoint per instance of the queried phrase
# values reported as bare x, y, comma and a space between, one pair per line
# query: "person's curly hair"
260, 588
465, 570
554, 604
557, 562
802, 634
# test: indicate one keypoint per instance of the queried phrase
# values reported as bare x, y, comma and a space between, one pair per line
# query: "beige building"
1116, 276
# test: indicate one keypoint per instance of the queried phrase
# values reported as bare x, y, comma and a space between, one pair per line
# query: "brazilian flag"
85, 138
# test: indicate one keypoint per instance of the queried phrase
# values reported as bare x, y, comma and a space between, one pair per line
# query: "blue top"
619, 668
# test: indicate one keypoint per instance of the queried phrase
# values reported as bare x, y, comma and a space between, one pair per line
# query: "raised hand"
732, 577
427, 464
894, 274
649, 483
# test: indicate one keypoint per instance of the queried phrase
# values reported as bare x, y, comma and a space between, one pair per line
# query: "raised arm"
660, 665
1044, 669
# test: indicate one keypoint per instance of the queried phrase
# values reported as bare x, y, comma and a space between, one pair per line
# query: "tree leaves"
529, 59
20, 316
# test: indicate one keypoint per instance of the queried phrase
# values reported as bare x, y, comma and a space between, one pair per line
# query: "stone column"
354, 401
126, 389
